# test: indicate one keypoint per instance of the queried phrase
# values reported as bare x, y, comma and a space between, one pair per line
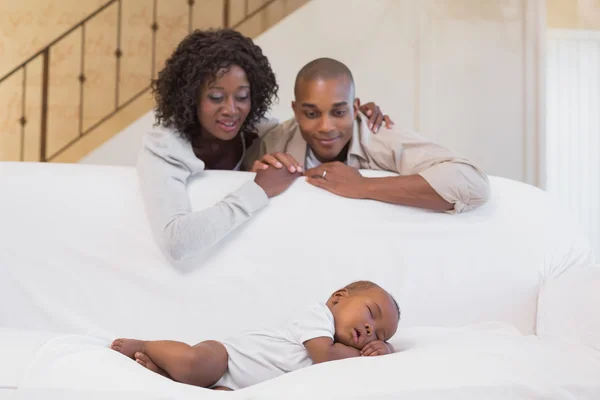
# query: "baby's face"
364, 316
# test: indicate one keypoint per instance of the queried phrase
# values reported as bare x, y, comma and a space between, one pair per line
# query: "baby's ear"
338, 295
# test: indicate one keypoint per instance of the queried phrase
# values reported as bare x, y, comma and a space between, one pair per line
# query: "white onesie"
259, 355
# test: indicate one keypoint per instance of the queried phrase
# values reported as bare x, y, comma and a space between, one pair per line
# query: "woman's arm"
164, 166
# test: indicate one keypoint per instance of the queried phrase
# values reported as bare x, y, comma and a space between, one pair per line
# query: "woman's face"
224, 104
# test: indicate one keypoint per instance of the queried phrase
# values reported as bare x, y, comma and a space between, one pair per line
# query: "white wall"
460, 71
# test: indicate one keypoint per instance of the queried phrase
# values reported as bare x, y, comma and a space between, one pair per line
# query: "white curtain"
573, 125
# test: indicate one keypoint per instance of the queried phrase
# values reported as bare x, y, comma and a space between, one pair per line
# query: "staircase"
94, 79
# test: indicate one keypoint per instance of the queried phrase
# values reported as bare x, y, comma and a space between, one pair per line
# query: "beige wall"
30, 25
464, 73
573, 14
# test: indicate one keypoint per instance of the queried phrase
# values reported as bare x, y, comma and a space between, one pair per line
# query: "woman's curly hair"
197, 61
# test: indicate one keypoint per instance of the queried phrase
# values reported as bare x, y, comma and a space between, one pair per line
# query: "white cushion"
569, 308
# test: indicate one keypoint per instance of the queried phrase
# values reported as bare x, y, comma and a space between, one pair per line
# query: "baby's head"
363, 312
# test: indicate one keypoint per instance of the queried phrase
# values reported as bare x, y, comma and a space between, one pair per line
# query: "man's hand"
275, 181
377, 348
338, 178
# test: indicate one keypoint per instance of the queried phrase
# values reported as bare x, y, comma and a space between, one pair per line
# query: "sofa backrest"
76, 255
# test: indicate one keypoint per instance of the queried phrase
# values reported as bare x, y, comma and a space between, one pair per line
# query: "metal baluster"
118, 54
81, 79
154, 28
190, 15
23, 119
44, 117
225, 13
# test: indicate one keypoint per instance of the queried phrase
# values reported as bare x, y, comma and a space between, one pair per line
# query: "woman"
212, 96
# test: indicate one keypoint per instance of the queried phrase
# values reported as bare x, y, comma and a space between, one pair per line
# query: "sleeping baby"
356, 321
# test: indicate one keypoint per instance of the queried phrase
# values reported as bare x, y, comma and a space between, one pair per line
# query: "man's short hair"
323, 68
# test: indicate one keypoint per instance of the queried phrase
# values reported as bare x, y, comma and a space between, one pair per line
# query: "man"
332, 139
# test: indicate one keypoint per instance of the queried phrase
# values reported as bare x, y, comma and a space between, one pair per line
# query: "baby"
357, 320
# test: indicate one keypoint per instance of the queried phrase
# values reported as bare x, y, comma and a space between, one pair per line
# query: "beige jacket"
456, 179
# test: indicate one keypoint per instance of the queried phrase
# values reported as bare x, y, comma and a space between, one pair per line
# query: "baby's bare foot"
147, 362
128, 347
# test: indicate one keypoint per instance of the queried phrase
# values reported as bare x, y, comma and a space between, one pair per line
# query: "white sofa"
78, 267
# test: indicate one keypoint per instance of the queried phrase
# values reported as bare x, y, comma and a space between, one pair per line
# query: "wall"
463, 72
573, 14
75, 109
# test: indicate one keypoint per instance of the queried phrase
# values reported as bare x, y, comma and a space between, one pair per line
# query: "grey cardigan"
165, 163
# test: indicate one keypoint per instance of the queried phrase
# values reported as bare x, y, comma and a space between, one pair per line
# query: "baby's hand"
376, 348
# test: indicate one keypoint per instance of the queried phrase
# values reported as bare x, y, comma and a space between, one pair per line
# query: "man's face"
325, 110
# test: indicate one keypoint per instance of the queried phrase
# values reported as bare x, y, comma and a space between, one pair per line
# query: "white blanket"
491, 361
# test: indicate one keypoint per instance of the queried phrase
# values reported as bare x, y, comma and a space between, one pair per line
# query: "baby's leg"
202, 365
145, 361
133, 349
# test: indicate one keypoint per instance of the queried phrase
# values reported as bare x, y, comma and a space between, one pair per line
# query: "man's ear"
294, 107
338, 295
356, 105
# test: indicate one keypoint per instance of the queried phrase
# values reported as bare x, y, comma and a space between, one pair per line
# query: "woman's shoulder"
265, 125
163, 138
166, 145
270, 128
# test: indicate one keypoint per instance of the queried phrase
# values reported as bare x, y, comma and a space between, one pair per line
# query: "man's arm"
449, 186
454, 179
458, 182
431, 175
430, 178
323, 349
410, 190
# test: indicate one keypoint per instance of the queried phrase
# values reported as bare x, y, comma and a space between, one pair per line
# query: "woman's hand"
277, 160
376, 117
275, 181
